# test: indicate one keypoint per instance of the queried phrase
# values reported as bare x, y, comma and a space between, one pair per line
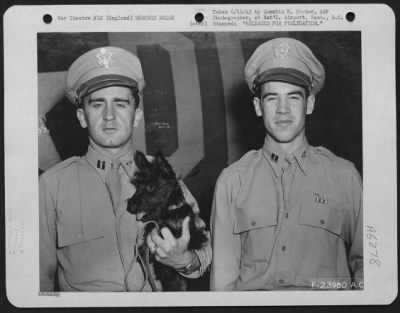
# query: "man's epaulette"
64, 164
325, 152
322, 151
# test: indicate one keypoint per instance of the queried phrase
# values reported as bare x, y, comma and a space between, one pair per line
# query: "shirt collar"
103, 163
275, 156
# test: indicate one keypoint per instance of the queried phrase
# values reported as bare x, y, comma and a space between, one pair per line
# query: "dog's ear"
140, 159
163, 164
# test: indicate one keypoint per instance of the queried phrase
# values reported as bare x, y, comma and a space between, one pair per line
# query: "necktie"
113, 184
287, 178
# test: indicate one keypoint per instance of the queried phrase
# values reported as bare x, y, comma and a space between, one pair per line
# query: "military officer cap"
103, 67
287, 60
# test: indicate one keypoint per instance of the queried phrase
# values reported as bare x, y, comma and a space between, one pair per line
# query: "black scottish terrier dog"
159, 198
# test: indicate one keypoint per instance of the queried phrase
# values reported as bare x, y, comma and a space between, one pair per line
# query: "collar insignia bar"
101, 164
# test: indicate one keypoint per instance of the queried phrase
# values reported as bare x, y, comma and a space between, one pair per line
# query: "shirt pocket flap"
71, 230
328, 215
256, 217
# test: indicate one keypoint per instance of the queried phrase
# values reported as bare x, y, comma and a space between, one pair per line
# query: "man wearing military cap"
87, 237
288, 216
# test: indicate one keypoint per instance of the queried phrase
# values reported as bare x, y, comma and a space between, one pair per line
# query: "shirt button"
322, 222
253, 223
283, 248
281, 281
287, 215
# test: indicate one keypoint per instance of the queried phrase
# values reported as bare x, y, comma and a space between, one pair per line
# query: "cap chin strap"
104, 81
286, 75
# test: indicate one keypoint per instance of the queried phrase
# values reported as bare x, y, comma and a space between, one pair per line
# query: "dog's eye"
150, 187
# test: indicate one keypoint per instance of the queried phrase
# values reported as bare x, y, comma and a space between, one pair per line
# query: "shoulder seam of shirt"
63, 164
243, 162
332, 156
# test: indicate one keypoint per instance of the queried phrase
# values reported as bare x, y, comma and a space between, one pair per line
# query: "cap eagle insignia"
104, 58
282, 50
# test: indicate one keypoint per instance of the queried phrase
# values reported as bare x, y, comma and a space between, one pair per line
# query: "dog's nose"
132, 206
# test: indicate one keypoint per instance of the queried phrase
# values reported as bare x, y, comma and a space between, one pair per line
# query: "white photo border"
21, 26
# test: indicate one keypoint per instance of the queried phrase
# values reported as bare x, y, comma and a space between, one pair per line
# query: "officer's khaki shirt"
82, 239
297, 228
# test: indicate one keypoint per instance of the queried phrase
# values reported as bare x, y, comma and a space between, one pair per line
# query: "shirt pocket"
256, 227
247, 219
73, 228
326, 213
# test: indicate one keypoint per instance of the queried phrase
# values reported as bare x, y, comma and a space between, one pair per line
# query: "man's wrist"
192, 266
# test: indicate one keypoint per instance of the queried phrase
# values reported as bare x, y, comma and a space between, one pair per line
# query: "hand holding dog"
169, 250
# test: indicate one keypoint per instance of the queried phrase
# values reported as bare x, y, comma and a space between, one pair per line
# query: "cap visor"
286, 75
104, 81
